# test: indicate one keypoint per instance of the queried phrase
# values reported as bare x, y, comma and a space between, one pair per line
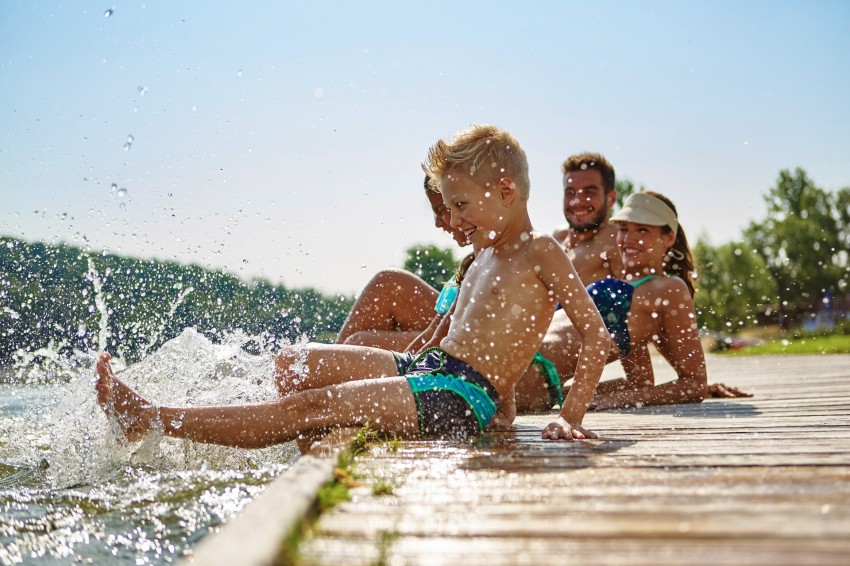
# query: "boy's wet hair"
483, 152
584, 161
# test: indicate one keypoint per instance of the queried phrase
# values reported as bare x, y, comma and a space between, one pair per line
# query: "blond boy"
503, 310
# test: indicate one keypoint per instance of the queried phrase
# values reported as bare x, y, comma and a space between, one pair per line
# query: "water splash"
154, 339
100, 304
67, 486
188, 370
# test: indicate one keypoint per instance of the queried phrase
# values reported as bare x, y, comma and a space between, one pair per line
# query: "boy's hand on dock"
561, 429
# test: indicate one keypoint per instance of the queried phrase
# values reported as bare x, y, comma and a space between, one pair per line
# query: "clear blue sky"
283, 140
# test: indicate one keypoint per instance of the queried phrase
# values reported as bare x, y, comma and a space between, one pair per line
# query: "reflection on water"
69, 492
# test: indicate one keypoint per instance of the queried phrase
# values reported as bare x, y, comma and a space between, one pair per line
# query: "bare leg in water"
386, 404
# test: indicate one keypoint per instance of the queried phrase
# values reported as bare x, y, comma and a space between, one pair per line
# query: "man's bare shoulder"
561, 233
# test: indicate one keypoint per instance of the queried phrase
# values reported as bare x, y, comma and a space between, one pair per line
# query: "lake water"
71, 493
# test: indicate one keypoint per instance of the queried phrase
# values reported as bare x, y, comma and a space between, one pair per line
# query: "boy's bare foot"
130, 410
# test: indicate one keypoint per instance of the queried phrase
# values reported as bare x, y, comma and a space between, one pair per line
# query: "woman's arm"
639, 374
679, 343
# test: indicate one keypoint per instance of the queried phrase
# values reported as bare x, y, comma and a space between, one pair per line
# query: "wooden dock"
764, 480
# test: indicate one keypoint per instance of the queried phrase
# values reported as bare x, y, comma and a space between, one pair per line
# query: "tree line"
59, 298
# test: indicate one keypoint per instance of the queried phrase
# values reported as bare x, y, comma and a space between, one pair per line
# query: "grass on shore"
836, 344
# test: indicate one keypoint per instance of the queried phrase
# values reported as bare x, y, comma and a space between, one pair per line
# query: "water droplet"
491, 234
114, 187
108, 12
239, 73
122, 192
143, 90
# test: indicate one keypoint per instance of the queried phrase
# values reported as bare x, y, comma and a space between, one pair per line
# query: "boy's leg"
393, 300
313, 366
386, 404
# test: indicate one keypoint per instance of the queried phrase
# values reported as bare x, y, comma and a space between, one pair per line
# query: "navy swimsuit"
613, 299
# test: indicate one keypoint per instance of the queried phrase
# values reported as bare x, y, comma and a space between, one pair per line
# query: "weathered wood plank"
764, 480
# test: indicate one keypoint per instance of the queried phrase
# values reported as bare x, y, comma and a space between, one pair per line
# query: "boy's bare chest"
497, 284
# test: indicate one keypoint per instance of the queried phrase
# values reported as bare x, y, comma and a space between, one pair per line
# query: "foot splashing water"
72, 490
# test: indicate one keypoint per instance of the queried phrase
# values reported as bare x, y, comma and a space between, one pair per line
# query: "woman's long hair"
679, 260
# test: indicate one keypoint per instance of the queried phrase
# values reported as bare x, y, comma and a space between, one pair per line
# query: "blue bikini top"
447, 297
613, 299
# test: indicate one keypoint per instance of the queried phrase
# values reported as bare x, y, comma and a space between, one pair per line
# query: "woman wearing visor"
651, 303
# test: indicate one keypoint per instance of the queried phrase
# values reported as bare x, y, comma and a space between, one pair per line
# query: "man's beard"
593, 224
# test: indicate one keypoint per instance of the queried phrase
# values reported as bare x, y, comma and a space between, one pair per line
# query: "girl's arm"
426, 336
434, 334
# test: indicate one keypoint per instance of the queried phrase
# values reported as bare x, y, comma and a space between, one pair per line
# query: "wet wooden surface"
764, 480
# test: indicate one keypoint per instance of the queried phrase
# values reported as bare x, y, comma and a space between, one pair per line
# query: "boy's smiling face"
475, 210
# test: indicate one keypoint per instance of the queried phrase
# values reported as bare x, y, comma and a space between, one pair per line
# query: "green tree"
842, 215
625, 187
733, 281
433, 264
803, 240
